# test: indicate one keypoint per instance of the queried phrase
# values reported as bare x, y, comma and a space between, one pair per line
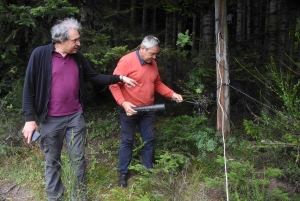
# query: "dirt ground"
14, 192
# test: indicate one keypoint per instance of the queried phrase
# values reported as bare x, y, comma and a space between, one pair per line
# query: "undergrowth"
188, 159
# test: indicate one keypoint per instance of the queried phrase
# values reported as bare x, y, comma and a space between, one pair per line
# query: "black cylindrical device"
154, 108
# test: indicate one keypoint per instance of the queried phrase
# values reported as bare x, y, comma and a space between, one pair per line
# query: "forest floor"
14, 192
10, 191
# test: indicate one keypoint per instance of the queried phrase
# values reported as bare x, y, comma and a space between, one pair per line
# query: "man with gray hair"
54, 92
141, 66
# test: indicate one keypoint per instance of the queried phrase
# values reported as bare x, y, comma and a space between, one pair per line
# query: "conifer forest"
236, 63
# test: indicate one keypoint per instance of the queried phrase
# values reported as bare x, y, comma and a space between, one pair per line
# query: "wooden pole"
222, 68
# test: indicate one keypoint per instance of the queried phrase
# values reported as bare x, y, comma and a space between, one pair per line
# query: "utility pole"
222, 68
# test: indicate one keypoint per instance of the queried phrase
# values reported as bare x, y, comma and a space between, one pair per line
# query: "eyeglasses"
75, 40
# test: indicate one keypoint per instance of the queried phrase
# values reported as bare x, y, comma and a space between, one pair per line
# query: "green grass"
25, 167
178, 172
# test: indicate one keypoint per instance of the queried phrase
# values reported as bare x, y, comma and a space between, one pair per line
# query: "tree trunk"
118, 5
167, 29
179, 30
194, 32
154, 19
281, 50
207, 27
266, 30
257, 25
207, 33
200, 33
174, 65
298, 57
248, 20
133, 13
144, 21
239, 22
174, 29
292, 28
222, 68
272, 25
168, 68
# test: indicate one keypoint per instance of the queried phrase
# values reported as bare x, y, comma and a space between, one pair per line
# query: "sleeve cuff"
29, 118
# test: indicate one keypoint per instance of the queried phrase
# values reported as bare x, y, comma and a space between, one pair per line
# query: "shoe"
123, 180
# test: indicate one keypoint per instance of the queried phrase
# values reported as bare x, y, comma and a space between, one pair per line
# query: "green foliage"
284, 126
23, 21
194, 83
11, 119
25, 167
102, 127
103, 58
255, 130
277, 132
114, 54
26, 28
194, 89
162, 179
14, 98
291, 172
102, 173
246, 183
137, 148
177, 174
59, 7
10, 81
69, 173
207, 141
184, 39
95, 46
278, 194
186, 134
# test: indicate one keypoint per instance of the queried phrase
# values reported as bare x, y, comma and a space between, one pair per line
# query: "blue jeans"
54, 131
145, 122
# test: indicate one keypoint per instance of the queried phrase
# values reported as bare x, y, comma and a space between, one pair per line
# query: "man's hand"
128, 108
177, 97
29, 128
129, 82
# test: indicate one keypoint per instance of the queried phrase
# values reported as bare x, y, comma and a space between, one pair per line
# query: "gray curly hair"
60, 31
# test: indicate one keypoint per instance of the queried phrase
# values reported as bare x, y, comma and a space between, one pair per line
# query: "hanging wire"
251, 97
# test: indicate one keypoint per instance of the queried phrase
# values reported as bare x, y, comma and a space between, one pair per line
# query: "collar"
139, 57
52, 48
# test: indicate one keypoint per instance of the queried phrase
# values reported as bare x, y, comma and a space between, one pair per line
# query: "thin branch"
12, 187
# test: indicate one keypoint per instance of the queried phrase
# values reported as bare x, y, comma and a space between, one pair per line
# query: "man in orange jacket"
140, 65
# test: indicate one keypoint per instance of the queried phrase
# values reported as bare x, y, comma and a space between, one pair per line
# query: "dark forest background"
263, 56
257, 29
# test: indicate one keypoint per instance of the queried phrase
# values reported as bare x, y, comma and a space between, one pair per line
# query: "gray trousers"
54, 131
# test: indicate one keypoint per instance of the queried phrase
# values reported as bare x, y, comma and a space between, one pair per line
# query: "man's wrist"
121, 78
122, 103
